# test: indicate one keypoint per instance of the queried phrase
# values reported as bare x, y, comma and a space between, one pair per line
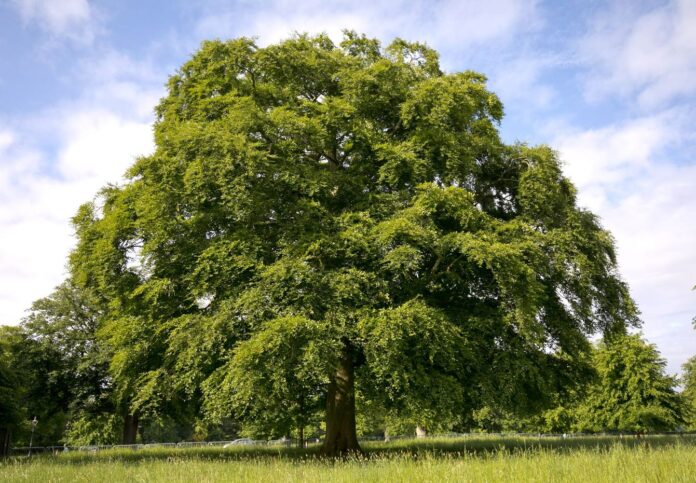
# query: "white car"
240, 442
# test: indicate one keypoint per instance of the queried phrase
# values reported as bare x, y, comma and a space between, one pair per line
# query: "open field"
654, 459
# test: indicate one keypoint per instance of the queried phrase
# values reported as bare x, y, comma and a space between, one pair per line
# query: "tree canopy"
632, 391
689, 393
321, 223
56, 370
11, 410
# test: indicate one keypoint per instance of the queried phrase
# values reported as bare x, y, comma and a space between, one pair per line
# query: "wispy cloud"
75, 20
56, 159
656, 236
519, 80
626, 174
445, 23
647, 54
495, 35
601, 160
639, 173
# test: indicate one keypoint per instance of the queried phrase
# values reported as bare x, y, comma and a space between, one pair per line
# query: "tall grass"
516, 459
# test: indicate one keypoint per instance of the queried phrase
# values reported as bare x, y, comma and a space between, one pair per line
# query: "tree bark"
5, 438
341, 436
130, 428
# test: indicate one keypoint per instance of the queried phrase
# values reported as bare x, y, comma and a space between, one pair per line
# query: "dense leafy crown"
632, 391
308, 198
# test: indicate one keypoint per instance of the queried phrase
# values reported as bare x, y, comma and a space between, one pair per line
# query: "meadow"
480, 459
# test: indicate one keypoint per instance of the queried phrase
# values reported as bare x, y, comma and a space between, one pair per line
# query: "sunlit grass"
655, 459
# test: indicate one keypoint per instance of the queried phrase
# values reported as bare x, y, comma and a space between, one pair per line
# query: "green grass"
654, 459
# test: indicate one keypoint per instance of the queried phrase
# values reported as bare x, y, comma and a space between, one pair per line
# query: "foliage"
689, 393
273, 403
64, 327
9, 382
414, 359
58, 366
38, 386
89, 429
632, 392
11, 409
306, 188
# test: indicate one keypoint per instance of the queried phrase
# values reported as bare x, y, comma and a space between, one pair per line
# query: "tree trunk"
301, 442
341, 437
5, 438
130, 428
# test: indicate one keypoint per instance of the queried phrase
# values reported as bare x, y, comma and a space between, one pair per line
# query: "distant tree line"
55, 366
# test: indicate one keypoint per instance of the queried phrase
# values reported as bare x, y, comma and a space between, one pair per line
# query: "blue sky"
610, 85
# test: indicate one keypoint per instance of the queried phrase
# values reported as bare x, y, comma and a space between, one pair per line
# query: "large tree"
319, 221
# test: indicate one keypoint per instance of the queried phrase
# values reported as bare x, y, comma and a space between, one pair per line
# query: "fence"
20, 451
24, 450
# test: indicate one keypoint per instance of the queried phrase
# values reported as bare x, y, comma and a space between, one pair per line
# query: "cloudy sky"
610, 85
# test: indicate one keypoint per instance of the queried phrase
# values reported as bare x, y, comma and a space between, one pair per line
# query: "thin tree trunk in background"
130, 428
341, 436
5, 438
302, 440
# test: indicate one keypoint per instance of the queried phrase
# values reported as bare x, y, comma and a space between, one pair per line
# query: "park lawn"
662, 459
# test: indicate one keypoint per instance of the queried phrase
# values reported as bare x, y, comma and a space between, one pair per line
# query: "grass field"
654, 459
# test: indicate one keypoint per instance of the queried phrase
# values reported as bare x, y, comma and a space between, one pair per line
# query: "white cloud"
648, 54
6, 139
646, 200
639, 174
600, 161
100, 145
15, 162
518, 80
51, 162
111, 65
71, 19
656, 236
36, 207
449, 23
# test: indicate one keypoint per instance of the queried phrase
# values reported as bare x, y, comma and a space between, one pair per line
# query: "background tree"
11, 408
351, 199
56, 370
42, 388
632, 391
688, 381
63, 327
